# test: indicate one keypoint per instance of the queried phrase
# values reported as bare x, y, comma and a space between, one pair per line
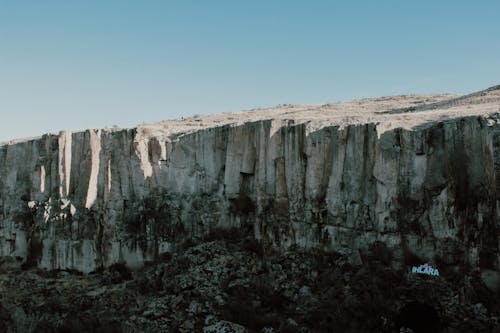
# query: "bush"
270, 298
117, 273
186, 244
288, 328
254, 246
239, 308
230, 235
109, 326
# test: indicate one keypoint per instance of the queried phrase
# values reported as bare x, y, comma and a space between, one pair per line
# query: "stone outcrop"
421, 180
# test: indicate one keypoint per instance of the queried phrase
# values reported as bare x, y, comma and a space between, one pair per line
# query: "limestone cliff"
419, 174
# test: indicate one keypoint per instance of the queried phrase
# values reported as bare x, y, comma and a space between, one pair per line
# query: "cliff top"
407, 111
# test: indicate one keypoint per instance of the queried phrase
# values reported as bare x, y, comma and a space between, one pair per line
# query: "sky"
69, 65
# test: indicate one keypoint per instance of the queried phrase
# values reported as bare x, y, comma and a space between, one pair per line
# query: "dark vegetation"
229, 276
411, 316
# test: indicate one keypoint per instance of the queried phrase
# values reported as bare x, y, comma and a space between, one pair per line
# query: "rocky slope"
229, 283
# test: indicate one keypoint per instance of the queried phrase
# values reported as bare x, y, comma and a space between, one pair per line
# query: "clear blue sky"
78, 64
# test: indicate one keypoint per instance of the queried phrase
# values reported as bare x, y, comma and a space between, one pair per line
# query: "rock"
355, 258
405, 330
209, 320
187, 326
423, 179
479, 310
267, 330
219, 300
291, 322
491, 279
224, 327
194, 308
305, 291
5, 318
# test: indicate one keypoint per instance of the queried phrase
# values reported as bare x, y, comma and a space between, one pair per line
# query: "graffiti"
425, 269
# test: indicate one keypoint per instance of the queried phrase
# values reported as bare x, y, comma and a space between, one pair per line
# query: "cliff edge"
419, 174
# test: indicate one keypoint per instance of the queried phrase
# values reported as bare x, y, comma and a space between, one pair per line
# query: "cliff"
419, 175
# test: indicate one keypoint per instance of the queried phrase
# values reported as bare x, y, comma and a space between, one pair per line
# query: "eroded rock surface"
419, 174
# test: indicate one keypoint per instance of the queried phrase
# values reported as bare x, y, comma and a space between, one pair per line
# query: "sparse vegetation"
227, 276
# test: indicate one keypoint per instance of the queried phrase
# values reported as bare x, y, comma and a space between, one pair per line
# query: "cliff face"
419, 182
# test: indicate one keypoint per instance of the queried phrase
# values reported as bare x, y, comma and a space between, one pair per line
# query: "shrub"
239, 308
288, 328
254, 246
186, 244
117, 273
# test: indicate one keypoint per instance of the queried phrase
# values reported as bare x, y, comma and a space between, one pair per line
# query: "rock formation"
418, 174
